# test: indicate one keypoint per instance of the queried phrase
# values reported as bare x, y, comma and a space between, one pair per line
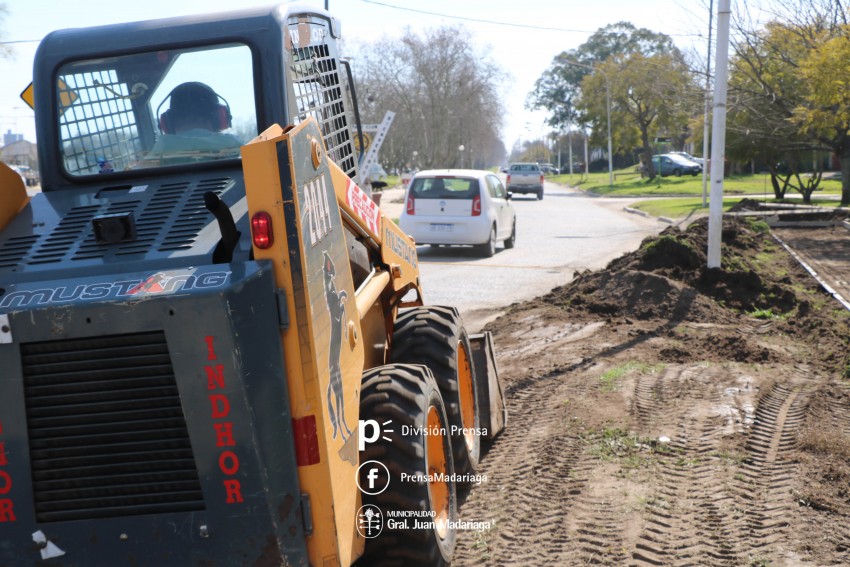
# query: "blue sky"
523, 50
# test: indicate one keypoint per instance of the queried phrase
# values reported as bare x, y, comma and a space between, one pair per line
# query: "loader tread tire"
405, 395
433, 336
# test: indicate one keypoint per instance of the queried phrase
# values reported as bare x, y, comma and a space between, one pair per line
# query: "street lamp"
610, 151
460, 149
608, 113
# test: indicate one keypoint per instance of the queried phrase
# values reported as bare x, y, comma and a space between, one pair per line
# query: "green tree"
559, 87
825, 112
759, 127
650, 95
791, 73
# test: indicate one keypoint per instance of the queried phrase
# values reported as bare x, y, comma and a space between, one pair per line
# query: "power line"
509, 24
494, 22
20, 41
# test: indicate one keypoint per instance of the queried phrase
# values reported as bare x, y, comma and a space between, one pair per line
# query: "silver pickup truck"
525, 178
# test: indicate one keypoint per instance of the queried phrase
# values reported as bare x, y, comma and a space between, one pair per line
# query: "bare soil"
661, 413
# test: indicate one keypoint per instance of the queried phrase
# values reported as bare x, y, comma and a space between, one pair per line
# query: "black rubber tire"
510, 242
404, 394
431, 336
677, 172
540, 195
488, 249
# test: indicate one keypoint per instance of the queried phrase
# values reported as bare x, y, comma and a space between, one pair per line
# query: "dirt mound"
668, 414
632, 293
667, 278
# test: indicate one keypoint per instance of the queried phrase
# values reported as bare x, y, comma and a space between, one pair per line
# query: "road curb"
636, 211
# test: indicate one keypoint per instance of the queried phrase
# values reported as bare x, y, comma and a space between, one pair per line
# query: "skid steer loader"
213, 344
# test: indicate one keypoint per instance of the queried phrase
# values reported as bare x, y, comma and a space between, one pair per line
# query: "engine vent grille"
106, 429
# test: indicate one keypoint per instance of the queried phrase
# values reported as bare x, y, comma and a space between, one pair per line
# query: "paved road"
566, 232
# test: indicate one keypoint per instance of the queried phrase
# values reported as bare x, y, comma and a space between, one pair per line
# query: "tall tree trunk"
647, 155
778, 192
844, 159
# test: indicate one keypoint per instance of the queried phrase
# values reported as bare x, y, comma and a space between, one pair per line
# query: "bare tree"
445, 94
5, 49
787, 70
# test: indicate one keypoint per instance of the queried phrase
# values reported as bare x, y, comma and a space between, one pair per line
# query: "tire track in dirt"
595, 519
686, 518
820, 487
539, 484
765, 478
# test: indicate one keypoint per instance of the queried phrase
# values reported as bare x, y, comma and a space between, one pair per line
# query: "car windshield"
444, 188
681, 160
155, 108
525, 167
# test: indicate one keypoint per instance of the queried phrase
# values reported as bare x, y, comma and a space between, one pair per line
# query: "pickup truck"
525, 178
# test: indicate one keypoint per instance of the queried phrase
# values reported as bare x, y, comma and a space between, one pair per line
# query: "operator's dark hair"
194, 102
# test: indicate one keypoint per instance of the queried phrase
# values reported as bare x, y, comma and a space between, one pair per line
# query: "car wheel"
511, 240
677, 172
540, 195
488, 248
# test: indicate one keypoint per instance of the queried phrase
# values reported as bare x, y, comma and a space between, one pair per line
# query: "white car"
459, 206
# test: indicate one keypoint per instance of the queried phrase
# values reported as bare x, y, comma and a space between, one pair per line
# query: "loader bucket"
491, 400
13, 194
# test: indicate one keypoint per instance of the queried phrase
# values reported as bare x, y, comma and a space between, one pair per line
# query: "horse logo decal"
336, 309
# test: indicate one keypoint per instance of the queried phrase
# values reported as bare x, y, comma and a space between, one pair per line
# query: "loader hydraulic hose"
229, 235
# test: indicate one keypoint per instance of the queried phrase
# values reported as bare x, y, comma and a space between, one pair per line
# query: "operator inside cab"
194, 122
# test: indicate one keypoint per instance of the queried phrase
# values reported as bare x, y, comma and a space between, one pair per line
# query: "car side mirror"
510, 195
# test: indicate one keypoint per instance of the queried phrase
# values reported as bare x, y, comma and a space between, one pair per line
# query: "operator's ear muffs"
194, 99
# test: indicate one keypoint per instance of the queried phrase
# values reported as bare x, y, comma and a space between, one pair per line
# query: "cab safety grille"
107, 432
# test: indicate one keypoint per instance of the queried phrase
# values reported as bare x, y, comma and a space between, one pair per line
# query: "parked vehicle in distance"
548, 169
686, 155
459, 207
578, 167
525, 178
673, 164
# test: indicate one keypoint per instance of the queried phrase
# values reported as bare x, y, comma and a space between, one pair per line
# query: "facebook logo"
372, 477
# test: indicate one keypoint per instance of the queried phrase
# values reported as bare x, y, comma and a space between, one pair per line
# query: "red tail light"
509, 179
411, 205
476, 206
541, 179
261, 230
306, 441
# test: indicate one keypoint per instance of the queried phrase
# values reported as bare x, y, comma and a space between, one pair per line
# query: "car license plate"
441, 227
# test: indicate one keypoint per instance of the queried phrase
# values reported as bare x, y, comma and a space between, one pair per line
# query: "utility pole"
705, 154
610, 150
586, 161
608, 115
718, 138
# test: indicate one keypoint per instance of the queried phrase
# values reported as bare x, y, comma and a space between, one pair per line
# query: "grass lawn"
683, 206
629, 183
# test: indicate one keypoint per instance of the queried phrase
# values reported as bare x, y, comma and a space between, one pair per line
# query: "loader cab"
155, 109
114, 96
